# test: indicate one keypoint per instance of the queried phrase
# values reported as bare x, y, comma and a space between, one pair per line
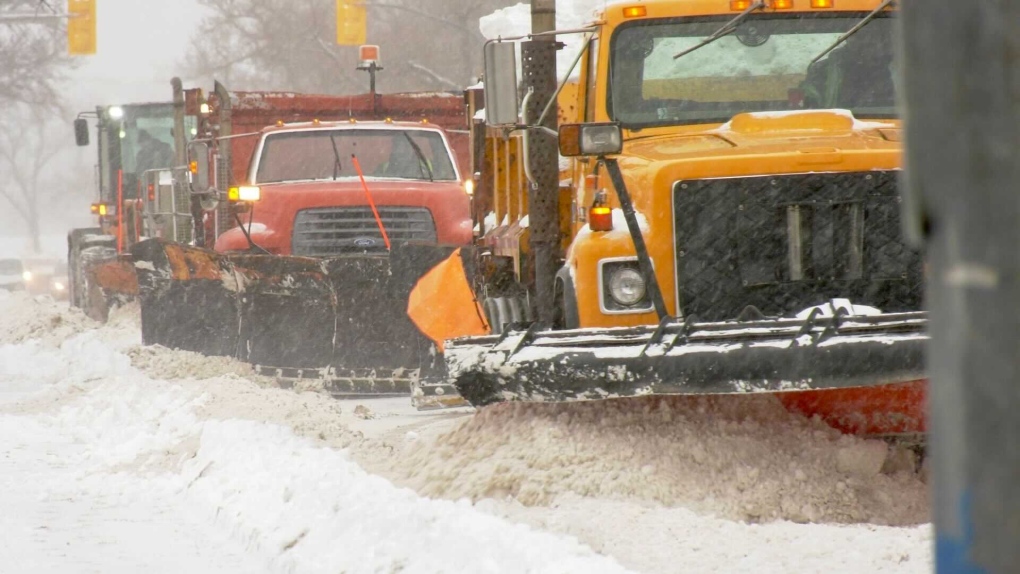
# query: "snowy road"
116, 458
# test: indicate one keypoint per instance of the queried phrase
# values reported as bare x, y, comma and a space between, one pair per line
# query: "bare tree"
26, 156
32, 64
32, 53
284, 45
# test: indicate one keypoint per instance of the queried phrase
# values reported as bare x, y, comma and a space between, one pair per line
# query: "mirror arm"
525, 143
548, 106
591, 29
566, 77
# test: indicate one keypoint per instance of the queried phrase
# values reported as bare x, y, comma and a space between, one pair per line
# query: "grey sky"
141, 43
140, 46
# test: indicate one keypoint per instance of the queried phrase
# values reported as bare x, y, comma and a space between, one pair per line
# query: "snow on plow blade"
795, 355
339, 320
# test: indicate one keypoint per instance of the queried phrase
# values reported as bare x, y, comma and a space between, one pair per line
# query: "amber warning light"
368, 54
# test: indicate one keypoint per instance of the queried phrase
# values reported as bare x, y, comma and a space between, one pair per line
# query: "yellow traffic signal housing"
351, 23
81, 27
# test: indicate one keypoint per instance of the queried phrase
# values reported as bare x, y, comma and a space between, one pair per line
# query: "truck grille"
784, 243
334, 231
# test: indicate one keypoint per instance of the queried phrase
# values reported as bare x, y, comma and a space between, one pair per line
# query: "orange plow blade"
883, 410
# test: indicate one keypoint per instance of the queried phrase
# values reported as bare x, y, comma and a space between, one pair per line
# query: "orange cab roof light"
634, 11
740, 5
368, 53
822, 3
600, 218
782, 4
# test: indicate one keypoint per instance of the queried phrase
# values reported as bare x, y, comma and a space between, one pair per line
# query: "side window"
593, 72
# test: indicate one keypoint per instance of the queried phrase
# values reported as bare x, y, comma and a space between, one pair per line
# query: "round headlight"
26, 275
626, 286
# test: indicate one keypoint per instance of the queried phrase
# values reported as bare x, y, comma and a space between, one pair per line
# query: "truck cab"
761, 145
329, 189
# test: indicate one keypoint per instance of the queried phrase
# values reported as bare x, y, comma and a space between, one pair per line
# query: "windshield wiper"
852, 31
423, 163
727, 29
337, 166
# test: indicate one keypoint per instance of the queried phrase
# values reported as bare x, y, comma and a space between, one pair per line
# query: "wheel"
503, 312
492, 315
566, 302
76, 241
517, 314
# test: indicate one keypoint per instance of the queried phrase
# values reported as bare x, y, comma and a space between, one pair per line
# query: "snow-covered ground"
121, 458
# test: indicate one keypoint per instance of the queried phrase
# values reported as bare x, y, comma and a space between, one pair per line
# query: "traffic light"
81, 27
351, 23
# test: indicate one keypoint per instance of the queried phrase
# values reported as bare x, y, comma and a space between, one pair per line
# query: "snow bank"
26, 317
309, 508
737, 457
652, 483
637, 534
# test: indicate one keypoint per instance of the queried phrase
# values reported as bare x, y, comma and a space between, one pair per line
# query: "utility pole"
538, 65
963, 167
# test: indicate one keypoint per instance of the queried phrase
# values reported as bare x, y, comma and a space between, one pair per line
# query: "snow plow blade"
340, 321
815, 354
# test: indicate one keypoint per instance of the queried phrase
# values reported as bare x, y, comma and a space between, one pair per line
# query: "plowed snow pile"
25, 317
737, 457
176, 364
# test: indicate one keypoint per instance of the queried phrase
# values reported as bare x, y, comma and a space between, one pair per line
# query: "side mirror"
590, 139
81, 132
501, 104
198, 164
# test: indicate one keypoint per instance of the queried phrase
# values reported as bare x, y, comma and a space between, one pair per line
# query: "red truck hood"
273, 215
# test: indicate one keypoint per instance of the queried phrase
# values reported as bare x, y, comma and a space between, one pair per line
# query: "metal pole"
963, 159
539, 68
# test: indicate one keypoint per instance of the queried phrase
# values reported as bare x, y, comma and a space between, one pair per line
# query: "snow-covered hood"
804, 132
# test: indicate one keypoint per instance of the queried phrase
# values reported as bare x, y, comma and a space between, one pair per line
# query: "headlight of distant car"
58, 286
26, 275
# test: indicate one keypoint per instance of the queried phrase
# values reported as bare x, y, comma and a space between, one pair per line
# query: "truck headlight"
244, 193
626, 286
26, 275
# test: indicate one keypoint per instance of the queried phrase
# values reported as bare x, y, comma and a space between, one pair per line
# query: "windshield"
309, 155
764, 66
142, 140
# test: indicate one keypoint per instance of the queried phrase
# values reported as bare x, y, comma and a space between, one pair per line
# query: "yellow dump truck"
729, 216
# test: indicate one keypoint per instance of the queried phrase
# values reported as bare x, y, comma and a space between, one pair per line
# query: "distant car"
12, 275
58, 283
38, 272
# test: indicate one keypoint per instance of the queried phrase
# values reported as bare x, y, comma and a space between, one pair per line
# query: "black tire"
566, 298
503, 312
492, 315
75, 272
